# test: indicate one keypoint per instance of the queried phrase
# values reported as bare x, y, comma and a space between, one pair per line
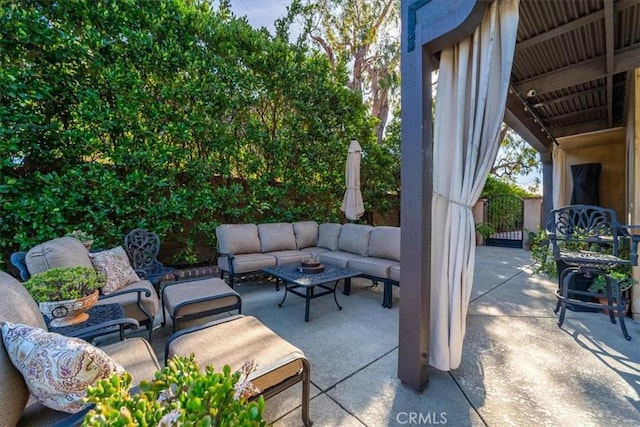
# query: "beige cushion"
16, 305
60, 252
212, 294
238, 239
328, 235
238, 340
385, 243
247, 263
276, 237
314, 251
394, 273
129, 301
114, 264
354, 238
377, 267
337, 258
57, 369
289, 257
306, 233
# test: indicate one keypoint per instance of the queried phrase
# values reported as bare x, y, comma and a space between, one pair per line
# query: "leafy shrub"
180, 394
64, 283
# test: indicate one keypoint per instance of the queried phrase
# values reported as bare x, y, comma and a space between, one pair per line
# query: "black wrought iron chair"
586, 242
142, 247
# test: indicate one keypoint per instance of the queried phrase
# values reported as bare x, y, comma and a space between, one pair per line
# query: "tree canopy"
169, 115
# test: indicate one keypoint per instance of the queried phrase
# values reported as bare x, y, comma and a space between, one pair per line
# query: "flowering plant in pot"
599, 286
66, 293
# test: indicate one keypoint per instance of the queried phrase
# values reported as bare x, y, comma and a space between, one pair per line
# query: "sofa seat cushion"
247, 263
354, 238
238, 239
289, 257
394, 273
129, 300
328, 235
306, 233
56, 368
196, 297
337, 258
314, 251
384, 242
60, 252
377, 267
276, 237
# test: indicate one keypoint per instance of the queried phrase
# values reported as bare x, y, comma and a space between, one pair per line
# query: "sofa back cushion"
306, 234
385, 243
276, 237
16, 305
328, 235
60, 252
238, 239
354, 238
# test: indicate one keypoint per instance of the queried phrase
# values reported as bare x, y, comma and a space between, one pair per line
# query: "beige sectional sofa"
375, 251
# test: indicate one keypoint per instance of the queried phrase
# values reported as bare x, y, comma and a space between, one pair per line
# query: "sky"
260, 13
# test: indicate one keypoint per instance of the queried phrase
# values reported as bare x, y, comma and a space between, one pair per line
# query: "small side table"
97, 314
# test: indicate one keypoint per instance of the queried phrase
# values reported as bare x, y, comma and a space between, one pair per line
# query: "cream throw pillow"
57, 369
115, 265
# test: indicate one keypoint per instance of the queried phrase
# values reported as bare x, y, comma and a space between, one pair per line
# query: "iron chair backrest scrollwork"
142, 247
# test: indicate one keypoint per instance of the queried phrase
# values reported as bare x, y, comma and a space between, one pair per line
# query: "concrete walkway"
518, 367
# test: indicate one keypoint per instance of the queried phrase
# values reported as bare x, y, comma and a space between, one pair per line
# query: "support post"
415, 218
547, 187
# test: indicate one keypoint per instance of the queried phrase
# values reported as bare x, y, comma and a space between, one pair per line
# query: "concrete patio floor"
518, 367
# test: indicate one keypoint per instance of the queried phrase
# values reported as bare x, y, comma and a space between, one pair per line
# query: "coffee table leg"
285, 294
335, 297
306, 303
347, 286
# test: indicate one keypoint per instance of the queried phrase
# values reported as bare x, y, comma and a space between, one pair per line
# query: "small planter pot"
626, 302
69, 312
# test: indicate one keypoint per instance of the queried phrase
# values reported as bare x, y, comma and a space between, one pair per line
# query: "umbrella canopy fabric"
352, 204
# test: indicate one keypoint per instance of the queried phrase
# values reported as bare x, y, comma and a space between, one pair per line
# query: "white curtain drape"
471, 97
559, 177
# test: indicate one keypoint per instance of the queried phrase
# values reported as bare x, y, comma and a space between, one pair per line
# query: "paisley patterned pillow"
56, 369
115, 265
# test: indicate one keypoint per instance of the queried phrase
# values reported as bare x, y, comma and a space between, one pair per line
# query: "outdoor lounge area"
518, 366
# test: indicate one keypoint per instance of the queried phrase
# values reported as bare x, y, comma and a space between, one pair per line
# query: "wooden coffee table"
294, 279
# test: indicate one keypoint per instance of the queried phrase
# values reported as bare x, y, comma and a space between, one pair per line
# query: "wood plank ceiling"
570, 67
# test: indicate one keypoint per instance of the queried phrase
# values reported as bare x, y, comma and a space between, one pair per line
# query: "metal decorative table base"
294, 279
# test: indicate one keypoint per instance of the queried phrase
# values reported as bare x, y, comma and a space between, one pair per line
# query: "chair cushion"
354, 238
276, 237
328, 235
129, 300
337, 258
238, 340
238, 239
377, 267
394, 273
247, 263
314, 251
57, 369
384, 242
16, 305
289, 257
114, 264
199, 296
60, 252
306, 233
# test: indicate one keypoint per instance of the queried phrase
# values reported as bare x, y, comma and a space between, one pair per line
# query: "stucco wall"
612, 177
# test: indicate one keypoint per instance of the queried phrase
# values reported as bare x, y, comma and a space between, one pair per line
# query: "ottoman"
239, 339
198, 298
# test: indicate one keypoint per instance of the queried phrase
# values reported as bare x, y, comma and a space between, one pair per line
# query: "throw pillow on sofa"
56, 369
114, 264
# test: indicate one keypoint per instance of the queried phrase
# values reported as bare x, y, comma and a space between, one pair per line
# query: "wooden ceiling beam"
596, 68
590, 126
553, 119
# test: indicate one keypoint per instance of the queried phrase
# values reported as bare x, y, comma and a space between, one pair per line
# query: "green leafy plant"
64, 283
179, 394
83, 236
485, 230
599, 283
541, 253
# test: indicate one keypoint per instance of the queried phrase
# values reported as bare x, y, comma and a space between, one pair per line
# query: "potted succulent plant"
83, 236
179, 394
66, 293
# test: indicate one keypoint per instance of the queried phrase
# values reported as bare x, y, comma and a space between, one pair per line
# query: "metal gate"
505, 217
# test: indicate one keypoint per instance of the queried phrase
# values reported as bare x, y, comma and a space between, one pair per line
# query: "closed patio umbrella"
352, 205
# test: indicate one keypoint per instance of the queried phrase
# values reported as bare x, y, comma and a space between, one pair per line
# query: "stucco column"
547, 186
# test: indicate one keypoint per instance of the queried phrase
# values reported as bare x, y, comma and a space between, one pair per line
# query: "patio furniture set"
231, 341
